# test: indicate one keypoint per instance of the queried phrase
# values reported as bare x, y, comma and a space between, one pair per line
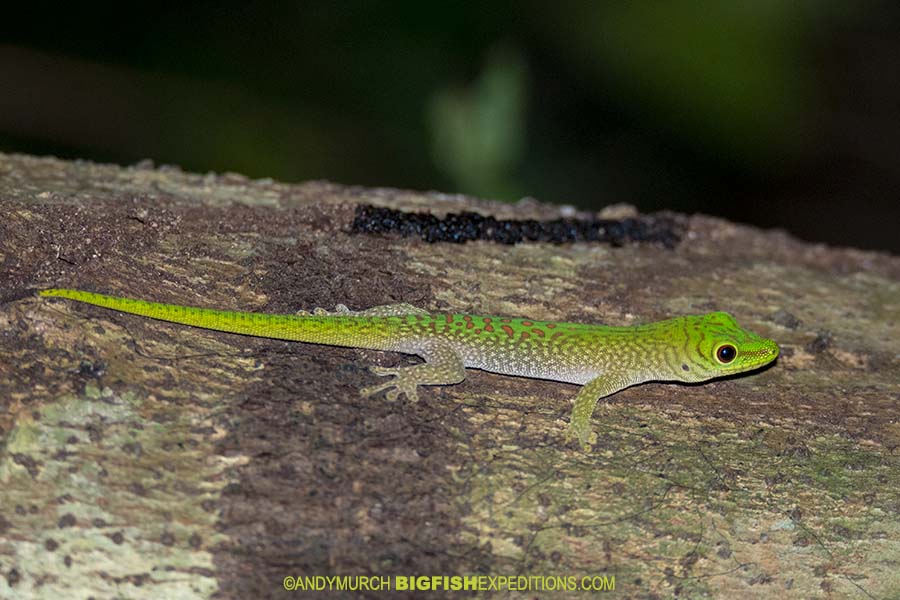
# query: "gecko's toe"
374, 389
383, 371
584, 437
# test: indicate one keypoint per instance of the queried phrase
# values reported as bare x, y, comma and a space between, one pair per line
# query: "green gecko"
601, 358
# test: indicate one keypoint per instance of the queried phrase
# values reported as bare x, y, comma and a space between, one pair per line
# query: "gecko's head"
717, 346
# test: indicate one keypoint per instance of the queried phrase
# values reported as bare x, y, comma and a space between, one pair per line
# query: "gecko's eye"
726, 353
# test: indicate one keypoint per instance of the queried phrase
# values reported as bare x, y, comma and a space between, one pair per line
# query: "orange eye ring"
726, 353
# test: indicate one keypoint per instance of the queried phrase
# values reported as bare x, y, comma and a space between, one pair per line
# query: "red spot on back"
527, 323
489, 328
449, 318
538, 332
525, 335
470, 324
487, 320
508, 330
467, 318
556, 335
549, 325
506, 320
477, 331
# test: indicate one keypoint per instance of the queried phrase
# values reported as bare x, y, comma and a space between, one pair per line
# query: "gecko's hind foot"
388, 310
395, 387
340, 310
443, 366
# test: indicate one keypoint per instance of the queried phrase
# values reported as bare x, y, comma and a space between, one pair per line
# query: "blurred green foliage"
478, 132
728, 75
720, 107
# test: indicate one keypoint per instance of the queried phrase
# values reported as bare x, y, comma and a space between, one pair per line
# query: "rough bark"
145, 459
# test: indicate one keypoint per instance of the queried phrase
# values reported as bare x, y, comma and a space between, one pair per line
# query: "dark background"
782, 114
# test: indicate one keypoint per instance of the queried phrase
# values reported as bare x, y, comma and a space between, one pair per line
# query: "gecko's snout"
761, 352
766, 353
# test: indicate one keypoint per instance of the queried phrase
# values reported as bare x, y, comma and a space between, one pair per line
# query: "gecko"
602, 359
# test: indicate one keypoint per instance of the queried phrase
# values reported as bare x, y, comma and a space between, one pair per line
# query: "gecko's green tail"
358, 332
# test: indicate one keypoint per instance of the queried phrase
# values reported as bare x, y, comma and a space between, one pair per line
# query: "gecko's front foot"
399, 385
581, 432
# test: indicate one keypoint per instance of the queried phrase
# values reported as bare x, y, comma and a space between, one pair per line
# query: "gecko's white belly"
537, 367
